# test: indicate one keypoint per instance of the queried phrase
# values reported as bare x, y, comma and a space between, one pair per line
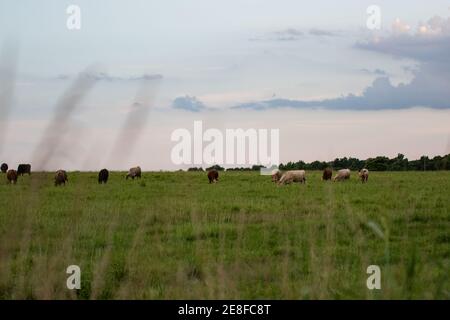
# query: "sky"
111, 93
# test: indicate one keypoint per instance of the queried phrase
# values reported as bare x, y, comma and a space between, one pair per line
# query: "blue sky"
203, 56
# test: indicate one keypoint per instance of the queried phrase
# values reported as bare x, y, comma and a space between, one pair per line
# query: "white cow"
343, 174
364, 175
134, 173
276, 175
292, 176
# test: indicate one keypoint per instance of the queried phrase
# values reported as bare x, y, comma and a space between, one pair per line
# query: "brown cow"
12, 175
4, 168
213, 176
327, 174
61, 178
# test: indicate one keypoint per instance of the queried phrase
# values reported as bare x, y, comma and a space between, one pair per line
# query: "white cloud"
436, 26
399, 27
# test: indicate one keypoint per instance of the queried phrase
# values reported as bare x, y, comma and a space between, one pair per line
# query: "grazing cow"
24, 168
343, 174
4, 167
293, 176
103, 176
134, 173
12, 175
364, 175
213, 176
61, 178
276, 175
327, 174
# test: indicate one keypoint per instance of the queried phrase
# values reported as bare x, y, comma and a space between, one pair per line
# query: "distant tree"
424, 162
216, 167
257, 167
379, 163
400, 163
316, 165
445, 162
195, 169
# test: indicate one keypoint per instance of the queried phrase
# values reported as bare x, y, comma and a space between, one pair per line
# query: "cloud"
428, 45
381, 95
399, 27
62, 77
188, 103
102, 76
321, 33
289, 34
378, 72
292, 34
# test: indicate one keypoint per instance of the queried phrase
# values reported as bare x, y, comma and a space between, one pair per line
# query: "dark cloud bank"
430, 87
429, 46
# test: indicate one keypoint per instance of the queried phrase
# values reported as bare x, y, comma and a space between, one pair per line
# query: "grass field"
174, 236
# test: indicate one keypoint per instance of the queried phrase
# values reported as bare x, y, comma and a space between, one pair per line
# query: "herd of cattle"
61, 175
278, 176
300, 175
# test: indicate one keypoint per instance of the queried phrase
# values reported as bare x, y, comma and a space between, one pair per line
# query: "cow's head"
276, 175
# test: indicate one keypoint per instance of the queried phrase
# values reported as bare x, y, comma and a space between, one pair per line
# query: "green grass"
174, 236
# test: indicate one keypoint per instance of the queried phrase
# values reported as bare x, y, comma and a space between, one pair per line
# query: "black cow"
24, 168
4, 167
103, 176
61, 178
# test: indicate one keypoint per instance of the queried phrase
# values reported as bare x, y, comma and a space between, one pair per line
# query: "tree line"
380, 163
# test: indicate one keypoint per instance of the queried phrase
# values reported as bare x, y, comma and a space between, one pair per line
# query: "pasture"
174, 236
